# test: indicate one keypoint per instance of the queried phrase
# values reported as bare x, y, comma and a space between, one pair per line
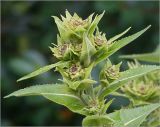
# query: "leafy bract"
64, 31
60, 94
132, 117
42, 70
87, 51
96, 120
104, 53
126, 76
148, 57
94, 24
59, 25
105, 108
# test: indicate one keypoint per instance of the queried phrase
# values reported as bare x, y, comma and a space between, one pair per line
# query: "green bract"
80, 47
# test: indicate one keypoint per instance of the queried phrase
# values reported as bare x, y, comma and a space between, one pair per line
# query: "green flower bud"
77, 47
76, 23
62, 52
72, 72
141, 92
75, 71
93, 106
100, 39
72, 26
109, 73
112, 72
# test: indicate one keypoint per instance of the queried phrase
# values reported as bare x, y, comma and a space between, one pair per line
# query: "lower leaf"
60, 94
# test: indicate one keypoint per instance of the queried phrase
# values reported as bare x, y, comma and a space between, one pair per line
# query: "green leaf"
60, 94
59, 24
118, 36
132, 117
105, 53
42, 70
127, 76
97, 120
148, 57
87, 51
95, 23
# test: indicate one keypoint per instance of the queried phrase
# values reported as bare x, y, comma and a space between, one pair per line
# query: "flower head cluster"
77, 44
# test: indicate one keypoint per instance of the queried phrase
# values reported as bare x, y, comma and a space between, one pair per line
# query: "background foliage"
27, 31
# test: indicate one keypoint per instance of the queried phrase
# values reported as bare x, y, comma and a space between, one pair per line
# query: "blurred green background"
27, 31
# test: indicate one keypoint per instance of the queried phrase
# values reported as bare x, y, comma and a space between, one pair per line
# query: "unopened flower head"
62, 51
144, 92
72, 24
75, 71
109, 73
112, 72
100, 39
75, 21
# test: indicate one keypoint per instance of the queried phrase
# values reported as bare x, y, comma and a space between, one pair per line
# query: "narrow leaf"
59, 24
41, 70
147, 57
106, 106
119, 44
127, 76
118, 36
95, 23
60, 94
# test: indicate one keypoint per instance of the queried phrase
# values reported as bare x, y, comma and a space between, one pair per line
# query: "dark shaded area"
27, 30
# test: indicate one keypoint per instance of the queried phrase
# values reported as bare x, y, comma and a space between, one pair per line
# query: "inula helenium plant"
80, 47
